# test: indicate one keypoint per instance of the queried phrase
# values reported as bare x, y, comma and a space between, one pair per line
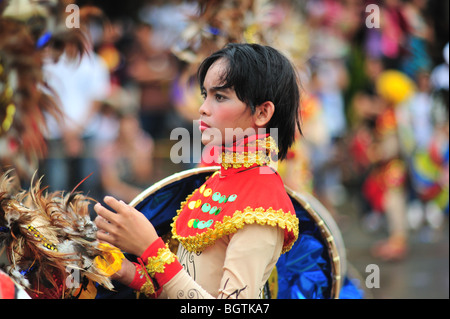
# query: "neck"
249, 152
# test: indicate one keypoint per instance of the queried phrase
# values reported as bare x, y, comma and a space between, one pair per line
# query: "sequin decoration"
47, 244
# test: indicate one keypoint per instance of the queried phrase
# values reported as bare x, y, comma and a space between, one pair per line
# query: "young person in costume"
234, 227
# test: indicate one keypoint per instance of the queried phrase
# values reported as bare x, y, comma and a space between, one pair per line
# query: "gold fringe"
266, 148
158, 263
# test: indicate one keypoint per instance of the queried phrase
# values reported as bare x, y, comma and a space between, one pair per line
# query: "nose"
204, 109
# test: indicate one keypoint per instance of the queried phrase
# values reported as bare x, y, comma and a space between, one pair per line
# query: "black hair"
258, 74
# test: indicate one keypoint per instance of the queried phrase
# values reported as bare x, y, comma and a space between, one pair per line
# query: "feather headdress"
50, 242
29, 30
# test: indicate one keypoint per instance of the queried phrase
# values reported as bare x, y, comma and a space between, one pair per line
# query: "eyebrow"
218, 88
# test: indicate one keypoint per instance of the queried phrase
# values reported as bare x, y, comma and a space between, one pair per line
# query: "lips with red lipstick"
203, 126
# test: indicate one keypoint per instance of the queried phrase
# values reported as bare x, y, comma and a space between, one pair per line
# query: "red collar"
247, 153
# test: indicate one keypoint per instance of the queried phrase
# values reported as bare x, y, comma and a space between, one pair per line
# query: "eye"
220, 98
203, 93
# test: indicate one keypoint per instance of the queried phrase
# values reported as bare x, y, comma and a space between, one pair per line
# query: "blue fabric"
305, 271
161, 207
351, 289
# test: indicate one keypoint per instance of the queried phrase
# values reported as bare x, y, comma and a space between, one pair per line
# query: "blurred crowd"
374, 108
375, 112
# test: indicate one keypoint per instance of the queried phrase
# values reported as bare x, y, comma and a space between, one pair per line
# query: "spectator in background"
80, 86
328, 82
153, 70
429, 161
387, 42
126, 162
332, 24
419, 37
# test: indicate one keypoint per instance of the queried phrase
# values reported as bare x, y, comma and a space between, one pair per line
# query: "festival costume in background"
380, 149
429, 173
25, 97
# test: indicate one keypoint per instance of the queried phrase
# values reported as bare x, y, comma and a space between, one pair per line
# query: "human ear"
264, 113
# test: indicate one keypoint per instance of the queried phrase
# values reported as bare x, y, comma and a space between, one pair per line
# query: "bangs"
235, 75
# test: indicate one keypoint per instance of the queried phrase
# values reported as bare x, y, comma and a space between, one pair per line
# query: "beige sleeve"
251, 254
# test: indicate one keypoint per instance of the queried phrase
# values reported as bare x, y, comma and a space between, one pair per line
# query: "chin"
208, 141
212, 136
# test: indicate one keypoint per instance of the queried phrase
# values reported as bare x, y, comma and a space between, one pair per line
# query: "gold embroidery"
158, 264
148, 289
245, 159
232, 224
265, 149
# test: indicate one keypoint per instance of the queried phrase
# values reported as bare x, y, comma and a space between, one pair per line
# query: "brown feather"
50, 233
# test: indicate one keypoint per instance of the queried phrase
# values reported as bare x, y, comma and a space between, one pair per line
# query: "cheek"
233, 116
223, 117
227, 118
221, 121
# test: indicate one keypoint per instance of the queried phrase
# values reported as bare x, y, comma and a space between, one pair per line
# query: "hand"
126, 274
127, 229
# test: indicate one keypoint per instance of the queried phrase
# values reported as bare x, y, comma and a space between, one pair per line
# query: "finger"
103, 225
118, 206
105, 213
105, 237
101, 218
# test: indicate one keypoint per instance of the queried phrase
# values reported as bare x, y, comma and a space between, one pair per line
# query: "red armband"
161, 264
143, 283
